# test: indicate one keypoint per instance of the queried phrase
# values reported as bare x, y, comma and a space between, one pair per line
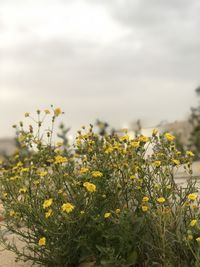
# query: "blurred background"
130, 63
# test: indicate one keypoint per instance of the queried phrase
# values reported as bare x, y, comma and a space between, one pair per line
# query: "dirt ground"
7, 258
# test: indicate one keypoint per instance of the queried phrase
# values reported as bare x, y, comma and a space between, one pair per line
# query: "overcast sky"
108, 59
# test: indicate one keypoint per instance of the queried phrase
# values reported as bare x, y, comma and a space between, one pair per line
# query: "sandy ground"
7, 258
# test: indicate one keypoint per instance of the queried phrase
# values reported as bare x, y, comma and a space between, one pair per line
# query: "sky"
116, 60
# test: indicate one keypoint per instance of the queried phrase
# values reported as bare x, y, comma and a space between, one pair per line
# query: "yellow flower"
170, 137
176, 162
83, 170
135, 144
14, 178
97, 174
186, 204
59, 144
161, 200
194, 206
21, 138
107, 215
157, 163
50, 160
190, 153
57, 111
47, 203
109, 150
154, 132
42, 173
60, 159
192, 196
193, 223
5, 194
42, 241
190, 237
82, 212
24, 169
90, 187
124, 138
145, 199
47, 111
144, 208
132, 177
117, 211
68, 207
19, 164
143, 139
36, 182
48, 213
27, 114
12, 213
23, 190
198, 239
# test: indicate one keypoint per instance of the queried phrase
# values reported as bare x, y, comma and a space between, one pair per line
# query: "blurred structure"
182, 129
7, 146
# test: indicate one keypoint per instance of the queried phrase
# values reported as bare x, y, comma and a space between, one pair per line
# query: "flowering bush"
105, 199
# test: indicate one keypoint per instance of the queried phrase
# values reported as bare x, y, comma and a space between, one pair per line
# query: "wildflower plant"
105, 199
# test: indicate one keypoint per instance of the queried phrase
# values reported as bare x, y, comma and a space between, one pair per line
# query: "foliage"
107, 199
195, 122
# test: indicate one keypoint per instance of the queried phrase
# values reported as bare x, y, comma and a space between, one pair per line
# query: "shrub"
106, 199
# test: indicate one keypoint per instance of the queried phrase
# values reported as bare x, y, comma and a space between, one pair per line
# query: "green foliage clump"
109, 199
194, 142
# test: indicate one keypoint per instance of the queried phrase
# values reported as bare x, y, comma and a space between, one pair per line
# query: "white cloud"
75, 21
8, 95
117, 60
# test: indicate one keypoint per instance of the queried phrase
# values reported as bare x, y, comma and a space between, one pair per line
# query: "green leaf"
132, 258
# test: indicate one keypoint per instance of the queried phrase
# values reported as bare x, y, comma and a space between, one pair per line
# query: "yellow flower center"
90, 187
42, 241
161, 200
67, 207
107, 215
47, 203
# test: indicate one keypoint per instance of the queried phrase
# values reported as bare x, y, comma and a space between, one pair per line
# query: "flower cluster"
105, 198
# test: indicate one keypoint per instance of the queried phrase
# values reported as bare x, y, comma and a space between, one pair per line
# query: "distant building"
180, 128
